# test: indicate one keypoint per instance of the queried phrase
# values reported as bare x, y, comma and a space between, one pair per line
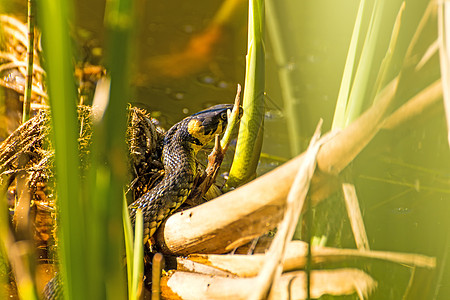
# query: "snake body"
181, 144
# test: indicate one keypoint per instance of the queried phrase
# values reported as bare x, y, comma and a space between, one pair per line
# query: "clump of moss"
28, 153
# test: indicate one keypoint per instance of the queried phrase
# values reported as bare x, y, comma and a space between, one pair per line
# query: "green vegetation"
73, 232
90, 228
30, 59
134, 252
251, 131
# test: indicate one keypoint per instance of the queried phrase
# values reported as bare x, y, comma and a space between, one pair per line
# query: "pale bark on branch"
295, 259
184, 285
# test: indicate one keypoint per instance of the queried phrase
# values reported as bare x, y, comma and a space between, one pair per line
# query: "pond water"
183, 64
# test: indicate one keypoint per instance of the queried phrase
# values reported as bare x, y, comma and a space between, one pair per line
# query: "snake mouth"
211, 127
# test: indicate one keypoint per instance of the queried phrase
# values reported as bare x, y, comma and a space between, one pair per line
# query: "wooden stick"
30, 57
184, 285
295, 259
355, 216
415, 106
158, 265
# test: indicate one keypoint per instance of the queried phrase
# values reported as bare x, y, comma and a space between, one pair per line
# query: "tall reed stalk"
30, 58
109, 169
73, 251
251, 130
90, 210
344, 90
356, 90
358, 93
3, 272
287, 83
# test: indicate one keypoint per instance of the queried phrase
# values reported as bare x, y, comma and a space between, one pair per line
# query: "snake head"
204, 125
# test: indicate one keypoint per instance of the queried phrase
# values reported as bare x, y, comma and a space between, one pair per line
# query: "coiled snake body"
181, 144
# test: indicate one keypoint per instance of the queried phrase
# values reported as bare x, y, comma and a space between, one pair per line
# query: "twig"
415, 106
444, 57
355, 216
431, 51
21, 219
18, 254
233, 119
158, 265
215, 159
30, 56
295, 259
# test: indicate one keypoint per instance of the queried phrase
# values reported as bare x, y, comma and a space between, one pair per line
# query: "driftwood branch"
355, 216
184, 285
415, 106
237, 217
295, 259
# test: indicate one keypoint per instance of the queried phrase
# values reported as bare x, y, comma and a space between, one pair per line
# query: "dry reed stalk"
355, 216
295, 259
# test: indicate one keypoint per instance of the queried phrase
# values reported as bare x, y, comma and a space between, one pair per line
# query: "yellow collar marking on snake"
195, 128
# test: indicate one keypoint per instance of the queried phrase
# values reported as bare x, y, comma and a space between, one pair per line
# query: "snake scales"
181, 144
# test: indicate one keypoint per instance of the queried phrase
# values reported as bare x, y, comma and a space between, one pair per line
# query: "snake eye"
223, 116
